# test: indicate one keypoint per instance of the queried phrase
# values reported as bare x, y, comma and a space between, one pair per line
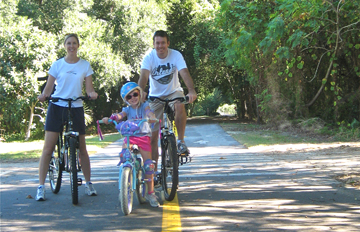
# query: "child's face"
133, 97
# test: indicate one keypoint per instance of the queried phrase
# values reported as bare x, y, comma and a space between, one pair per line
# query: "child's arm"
118, 116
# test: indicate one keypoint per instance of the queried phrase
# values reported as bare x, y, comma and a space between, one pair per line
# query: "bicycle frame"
169, 117
169, 155
68, 141
69, 133
134, 163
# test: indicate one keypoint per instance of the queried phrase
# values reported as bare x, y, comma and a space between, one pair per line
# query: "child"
131, 94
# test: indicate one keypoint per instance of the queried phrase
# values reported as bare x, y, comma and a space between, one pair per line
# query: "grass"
20, 155
258, 135
22, 151
108, 139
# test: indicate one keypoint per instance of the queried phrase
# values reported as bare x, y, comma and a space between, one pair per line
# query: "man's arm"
185, 75
144, 77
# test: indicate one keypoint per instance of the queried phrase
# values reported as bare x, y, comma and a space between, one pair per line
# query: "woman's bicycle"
66, 155
131, 172
170, 158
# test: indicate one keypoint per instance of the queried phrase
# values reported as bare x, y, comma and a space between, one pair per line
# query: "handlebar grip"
101, 121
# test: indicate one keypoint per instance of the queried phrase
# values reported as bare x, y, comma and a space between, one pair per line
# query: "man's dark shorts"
57, 116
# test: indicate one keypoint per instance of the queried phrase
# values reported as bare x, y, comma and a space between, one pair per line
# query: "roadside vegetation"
20, 152
310, 131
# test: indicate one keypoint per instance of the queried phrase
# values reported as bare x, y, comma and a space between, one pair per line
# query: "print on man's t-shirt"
163, 73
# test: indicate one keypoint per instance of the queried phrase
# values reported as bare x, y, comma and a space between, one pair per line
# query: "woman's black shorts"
57, 116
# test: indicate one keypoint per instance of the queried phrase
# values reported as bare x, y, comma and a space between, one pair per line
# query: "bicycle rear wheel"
126, 192
169, 167
73, 171
56, 168
141, 187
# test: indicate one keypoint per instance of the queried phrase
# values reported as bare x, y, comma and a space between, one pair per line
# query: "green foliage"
129, 26
303, 39
273, 59
25, 53
209, 104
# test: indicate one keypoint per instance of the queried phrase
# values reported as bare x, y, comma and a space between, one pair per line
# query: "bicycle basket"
133, 128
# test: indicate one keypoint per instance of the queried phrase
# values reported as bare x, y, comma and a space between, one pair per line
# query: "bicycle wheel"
73, 171
55, 168
169, 167
126, 192
141, 187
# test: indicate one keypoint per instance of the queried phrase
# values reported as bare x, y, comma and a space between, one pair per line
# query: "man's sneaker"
90, 190
40, 195
181, 147
152, 199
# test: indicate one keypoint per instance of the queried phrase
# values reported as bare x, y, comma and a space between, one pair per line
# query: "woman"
69, 73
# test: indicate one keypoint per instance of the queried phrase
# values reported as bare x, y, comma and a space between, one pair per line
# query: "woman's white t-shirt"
69, 80
164, 78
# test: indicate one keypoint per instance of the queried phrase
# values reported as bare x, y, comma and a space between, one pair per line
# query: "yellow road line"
171, 216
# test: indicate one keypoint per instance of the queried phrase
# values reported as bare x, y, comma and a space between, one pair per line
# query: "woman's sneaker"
90, 190
152, 199
40, 195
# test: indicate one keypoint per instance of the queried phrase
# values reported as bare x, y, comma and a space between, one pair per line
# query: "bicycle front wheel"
73, 171
126, 191
169, 167
55, 168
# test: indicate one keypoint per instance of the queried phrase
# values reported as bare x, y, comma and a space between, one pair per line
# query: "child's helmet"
128, 88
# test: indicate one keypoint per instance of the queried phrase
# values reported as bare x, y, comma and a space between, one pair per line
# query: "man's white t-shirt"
164, 77
69, 79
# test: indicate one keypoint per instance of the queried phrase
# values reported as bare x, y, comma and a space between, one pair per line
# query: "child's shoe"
152, 198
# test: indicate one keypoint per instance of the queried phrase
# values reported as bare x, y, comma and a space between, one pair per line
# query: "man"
161, 67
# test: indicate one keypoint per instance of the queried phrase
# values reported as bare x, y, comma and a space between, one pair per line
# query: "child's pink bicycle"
131, 171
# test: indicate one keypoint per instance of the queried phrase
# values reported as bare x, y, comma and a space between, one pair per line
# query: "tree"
277, 42
25, 52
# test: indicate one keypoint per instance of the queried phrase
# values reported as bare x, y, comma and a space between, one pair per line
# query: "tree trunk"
28, 131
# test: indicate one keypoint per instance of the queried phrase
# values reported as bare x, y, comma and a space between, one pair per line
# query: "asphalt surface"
226, 187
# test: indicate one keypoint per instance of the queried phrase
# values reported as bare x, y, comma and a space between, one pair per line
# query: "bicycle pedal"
79, 181
184, 159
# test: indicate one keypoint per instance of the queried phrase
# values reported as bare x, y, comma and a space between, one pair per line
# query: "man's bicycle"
132, 171
170, 158
66, 154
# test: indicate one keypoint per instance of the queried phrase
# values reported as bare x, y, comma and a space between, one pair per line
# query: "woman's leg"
84, 158
49, 146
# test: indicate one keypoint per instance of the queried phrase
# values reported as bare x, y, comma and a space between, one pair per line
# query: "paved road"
226, 188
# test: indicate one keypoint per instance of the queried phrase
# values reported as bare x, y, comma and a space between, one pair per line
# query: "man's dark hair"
161, 33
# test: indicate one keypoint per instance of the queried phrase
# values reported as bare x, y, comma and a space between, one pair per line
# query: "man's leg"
180, 120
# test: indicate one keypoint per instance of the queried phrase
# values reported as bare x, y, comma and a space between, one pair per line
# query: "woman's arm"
48, 88
90, 88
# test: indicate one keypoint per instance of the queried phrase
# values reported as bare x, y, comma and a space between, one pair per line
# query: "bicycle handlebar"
56, 99
181, 99
141, 120
119, 129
